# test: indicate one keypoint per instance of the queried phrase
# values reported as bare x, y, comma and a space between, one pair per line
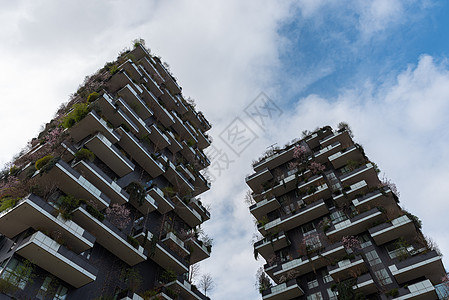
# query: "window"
44, 288
17, 272
308, 229
365, 241
332, 295
338, 216
383, 277
312, 241
373, 258
316, 296
312, 284
61, 293
326, 277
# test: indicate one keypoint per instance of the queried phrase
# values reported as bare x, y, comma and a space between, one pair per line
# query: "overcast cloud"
321, 62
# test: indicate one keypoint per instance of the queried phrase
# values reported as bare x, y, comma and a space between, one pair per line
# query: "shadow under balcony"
399, 227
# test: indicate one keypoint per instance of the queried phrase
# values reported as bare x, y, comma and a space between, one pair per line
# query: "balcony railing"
182, 129
139, 152
286, 290
185, 212
322, 155
34, 212
108, 186
341, 158
274, 160
366, 172
351, 191
136, 119
170, 82
420, 290
162, 114
426, 265
399, 227
110, 155
115, 114
345, 267
196, 204
110, 237
174, 146
342, 137
365, 284
57, 260
255, 181
72, 183
172, 241
91, 124
269, 245
303, 216
186, 290
382, 197
133, 99
159, 138
199, 251
356, 225
164, 204
263, 207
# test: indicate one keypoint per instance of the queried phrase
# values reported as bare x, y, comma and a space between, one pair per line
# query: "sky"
380, 65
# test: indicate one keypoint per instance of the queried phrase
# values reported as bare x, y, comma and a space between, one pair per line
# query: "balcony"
399, 227
139, 153
204, 213
164, 204
148, 65
158, 137
322, 192
181, 108
256, 180
109, 237
34, 212
188, 152
185, 212
174, 177
72, 183
341, 158
356, 225
98, 178
196, 118
150, 83
305, 265
284, 185
134, 101
170, 82
303, 216
174, 146
129, 295
347, 268
322, 155
365, 284
382, 197
313, 140
91, 124
121, 79
115, 114
176, 244
183, 130
422, 290
57, 260
426, 265
110, 155
263, 207
201, 185
202, 159
143, 129
349, 192
148, 205
169, 101
162, 254
269, 245
366, 172
133, 71
274, 160
203, 140
342, 137
186, 290
159, 110
286, 290
198, 251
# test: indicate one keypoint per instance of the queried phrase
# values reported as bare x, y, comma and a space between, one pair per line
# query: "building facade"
104, 203
333, 230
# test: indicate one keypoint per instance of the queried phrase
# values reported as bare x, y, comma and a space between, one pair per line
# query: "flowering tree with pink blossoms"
118, 215
351, 242
316, 168
301, 154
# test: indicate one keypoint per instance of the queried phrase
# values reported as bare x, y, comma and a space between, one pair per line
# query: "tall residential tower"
103, 203
332, 230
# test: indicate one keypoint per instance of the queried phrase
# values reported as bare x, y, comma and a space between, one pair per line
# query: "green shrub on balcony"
136, 192
42, 162
92, 97
168, 276
79, 111
133, 241
66, 204
84, 154
8, 202
95, 213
